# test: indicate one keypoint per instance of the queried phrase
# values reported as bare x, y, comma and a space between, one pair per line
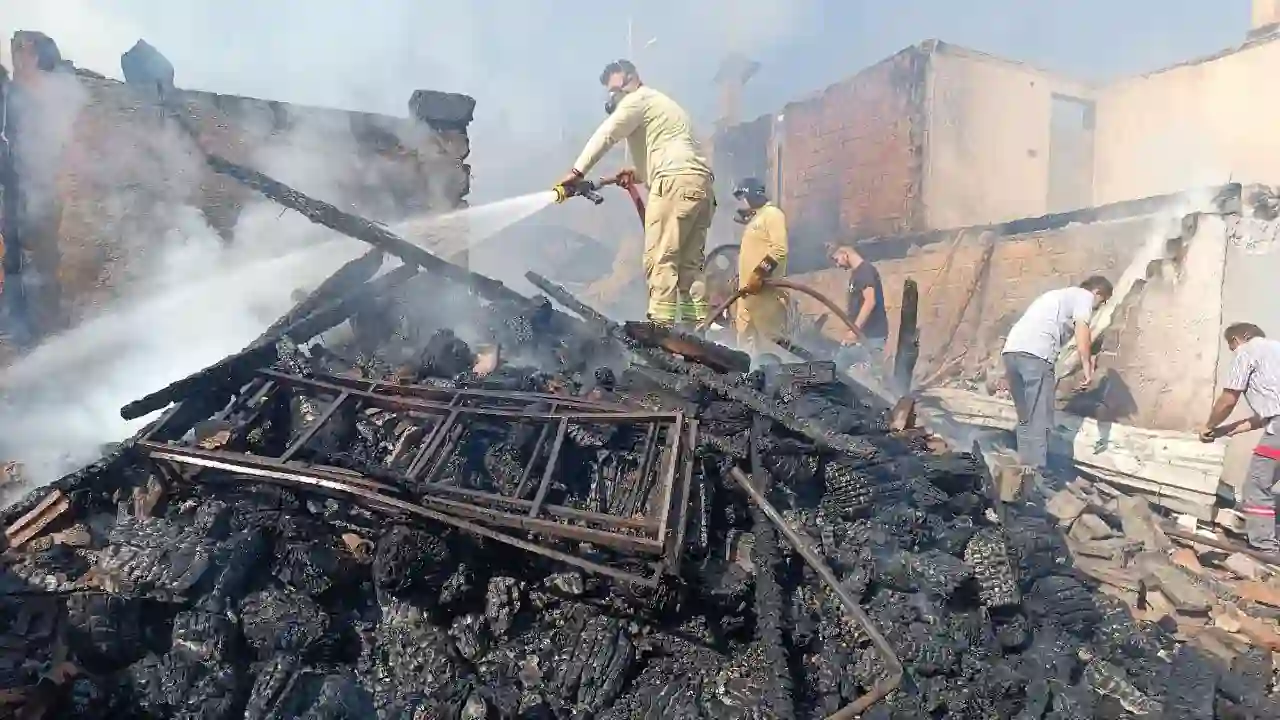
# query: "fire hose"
589, 189
784, 284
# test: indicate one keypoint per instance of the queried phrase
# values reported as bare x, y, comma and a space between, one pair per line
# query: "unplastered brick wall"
852, 157
848, 160
127, 179
958, 315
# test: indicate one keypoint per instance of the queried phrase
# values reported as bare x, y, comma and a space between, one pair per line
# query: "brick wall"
849, 159
116, 178
1022, 266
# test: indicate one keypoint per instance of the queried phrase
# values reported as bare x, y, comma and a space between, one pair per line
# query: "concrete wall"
106, 177
1252, 265
988, 145
1164, 348
1188, 126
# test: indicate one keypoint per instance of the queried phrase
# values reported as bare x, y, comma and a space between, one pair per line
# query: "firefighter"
669, 160
761, 312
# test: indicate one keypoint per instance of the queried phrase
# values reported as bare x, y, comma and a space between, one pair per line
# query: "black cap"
749, 186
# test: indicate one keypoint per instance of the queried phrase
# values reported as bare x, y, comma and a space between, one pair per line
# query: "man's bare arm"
1253, 422
864, 312
1084, 346
1222, 408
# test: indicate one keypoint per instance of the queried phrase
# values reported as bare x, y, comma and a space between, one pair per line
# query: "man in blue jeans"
1029, 354
865, 306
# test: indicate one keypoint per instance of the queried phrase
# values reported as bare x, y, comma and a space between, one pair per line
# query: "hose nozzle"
582, 188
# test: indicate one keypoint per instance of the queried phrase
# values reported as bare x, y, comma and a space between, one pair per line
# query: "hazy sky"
533, 64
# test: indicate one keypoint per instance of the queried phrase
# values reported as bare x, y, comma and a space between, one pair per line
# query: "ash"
317, 536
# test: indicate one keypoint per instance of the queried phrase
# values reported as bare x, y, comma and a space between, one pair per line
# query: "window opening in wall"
1071, 122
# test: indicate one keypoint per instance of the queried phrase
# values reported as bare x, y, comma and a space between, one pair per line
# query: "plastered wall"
1165, 348
988, 142
1252, 265
1192, 125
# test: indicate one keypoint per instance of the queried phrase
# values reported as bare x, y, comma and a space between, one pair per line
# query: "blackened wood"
907, 351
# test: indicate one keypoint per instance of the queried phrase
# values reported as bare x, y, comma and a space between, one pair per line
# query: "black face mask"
615, 97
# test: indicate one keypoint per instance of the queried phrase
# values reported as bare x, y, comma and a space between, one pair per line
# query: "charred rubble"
483, 507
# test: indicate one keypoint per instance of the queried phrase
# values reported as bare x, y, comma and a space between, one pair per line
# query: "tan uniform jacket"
766, 235
658, 132
762, 317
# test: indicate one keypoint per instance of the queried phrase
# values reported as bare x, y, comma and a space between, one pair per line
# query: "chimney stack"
734, 73
1266, 18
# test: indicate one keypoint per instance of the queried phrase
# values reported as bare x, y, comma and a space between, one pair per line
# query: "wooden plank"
1258, 592
1259, 633
1201, 506
1166, 457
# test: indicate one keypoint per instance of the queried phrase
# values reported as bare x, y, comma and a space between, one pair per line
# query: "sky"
533, 64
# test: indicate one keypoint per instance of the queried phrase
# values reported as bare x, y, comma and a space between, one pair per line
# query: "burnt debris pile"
473, 505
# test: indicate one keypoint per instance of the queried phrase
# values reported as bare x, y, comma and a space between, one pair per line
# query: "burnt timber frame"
662, 487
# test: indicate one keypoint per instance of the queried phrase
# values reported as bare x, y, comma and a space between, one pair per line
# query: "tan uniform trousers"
759, 319
676, 222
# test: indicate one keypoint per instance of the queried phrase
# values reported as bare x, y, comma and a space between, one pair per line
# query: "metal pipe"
804, 546
1223, 545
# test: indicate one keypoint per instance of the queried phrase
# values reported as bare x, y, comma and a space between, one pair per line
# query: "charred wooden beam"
692, 347
907, 351
343, 281
708, 378
323, 213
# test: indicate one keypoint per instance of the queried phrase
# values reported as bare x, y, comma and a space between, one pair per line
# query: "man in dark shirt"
865, 302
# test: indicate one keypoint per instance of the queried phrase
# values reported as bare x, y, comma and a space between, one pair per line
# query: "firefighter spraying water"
669, 160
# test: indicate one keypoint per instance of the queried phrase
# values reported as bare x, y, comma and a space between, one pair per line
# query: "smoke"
159, 293
531, 66
175, 296
63, 398
199, 301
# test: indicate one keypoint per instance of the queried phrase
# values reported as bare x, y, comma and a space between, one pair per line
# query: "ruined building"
988, 182
93, 165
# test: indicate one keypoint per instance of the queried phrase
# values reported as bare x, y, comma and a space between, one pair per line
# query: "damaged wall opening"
1071, 124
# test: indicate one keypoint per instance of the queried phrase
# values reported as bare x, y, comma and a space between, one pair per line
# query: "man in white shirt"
1031, 350
1255, 374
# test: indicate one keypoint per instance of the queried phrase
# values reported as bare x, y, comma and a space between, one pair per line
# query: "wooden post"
907, 351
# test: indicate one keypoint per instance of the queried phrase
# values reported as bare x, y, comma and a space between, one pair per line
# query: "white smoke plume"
533, 68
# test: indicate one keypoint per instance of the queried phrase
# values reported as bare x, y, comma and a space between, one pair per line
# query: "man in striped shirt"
1254, 373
